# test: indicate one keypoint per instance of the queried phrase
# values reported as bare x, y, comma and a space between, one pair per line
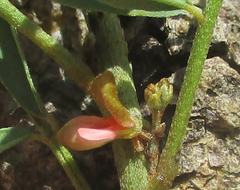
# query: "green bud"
158, 96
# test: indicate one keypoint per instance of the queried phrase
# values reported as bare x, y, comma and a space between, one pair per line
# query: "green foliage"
106, 6
14, 72
186, 98
148, 5
150, 8
11, 136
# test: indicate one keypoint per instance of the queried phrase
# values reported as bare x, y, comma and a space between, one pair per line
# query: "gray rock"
211, 155
218, 95
229, 17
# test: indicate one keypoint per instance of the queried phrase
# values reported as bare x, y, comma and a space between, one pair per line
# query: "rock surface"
211, 154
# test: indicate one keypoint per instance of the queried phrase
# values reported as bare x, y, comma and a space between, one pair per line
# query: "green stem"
113, 53
169, 161
76, 68
69, 165
66, 160
63, 155
195, 11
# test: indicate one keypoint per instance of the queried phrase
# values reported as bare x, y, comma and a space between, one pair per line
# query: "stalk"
168, 165
46, 124
62, 154
113, 54
69, 165
75, 68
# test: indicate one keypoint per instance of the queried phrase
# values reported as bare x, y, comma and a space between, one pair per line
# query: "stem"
63, 155
195, 11
112, 50
154, 143
76, 68
169, 161
66, 160
69, 165
156, 118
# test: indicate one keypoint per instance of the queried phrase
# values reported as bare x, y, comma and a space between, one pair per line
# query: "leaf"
14, 73
102, 7
11, 136
148, 5
150, 8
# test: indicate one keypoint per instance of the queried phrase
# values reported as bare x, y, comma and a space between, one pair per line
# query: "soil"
157, 48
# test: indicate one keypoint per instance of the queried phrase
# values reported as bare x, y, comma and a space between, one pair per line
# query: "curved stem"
75, 68
195, 11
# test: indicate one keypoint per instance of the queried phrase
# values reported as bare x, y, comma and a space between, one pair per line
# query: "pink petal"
96, 134
88, 132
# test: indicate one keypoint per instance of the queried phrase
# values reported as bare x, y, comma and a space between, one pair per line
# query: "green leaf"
14, 73
11, 136
150, 8
94, 5
148, 5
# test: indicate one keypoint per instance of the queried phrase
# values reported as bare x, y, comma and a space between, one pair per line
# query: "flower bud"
160, 95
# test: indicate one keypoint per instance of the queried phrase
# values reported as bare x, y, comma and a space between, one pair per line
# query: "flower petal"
96, 134
88, 132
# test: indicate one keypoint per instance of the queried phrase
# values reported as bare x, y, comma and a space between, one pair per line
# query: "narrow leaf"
148, 5
14, 73
150, 8
95, 5
11, 136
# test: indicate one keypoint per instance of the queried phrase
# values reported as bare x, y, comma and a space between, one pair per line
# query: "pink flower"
88, 132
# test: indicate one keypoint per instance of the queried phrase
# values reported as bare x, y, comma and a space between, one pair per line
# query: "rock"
218, 95
210, 156
180, 30
230, 16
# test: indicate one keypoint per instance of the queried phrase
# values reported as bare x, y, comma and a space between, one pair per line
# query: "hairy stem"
113, 53
169, 161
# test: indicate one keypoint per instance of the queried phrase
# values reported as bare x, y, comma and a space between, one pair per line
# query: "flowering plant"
113, 91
